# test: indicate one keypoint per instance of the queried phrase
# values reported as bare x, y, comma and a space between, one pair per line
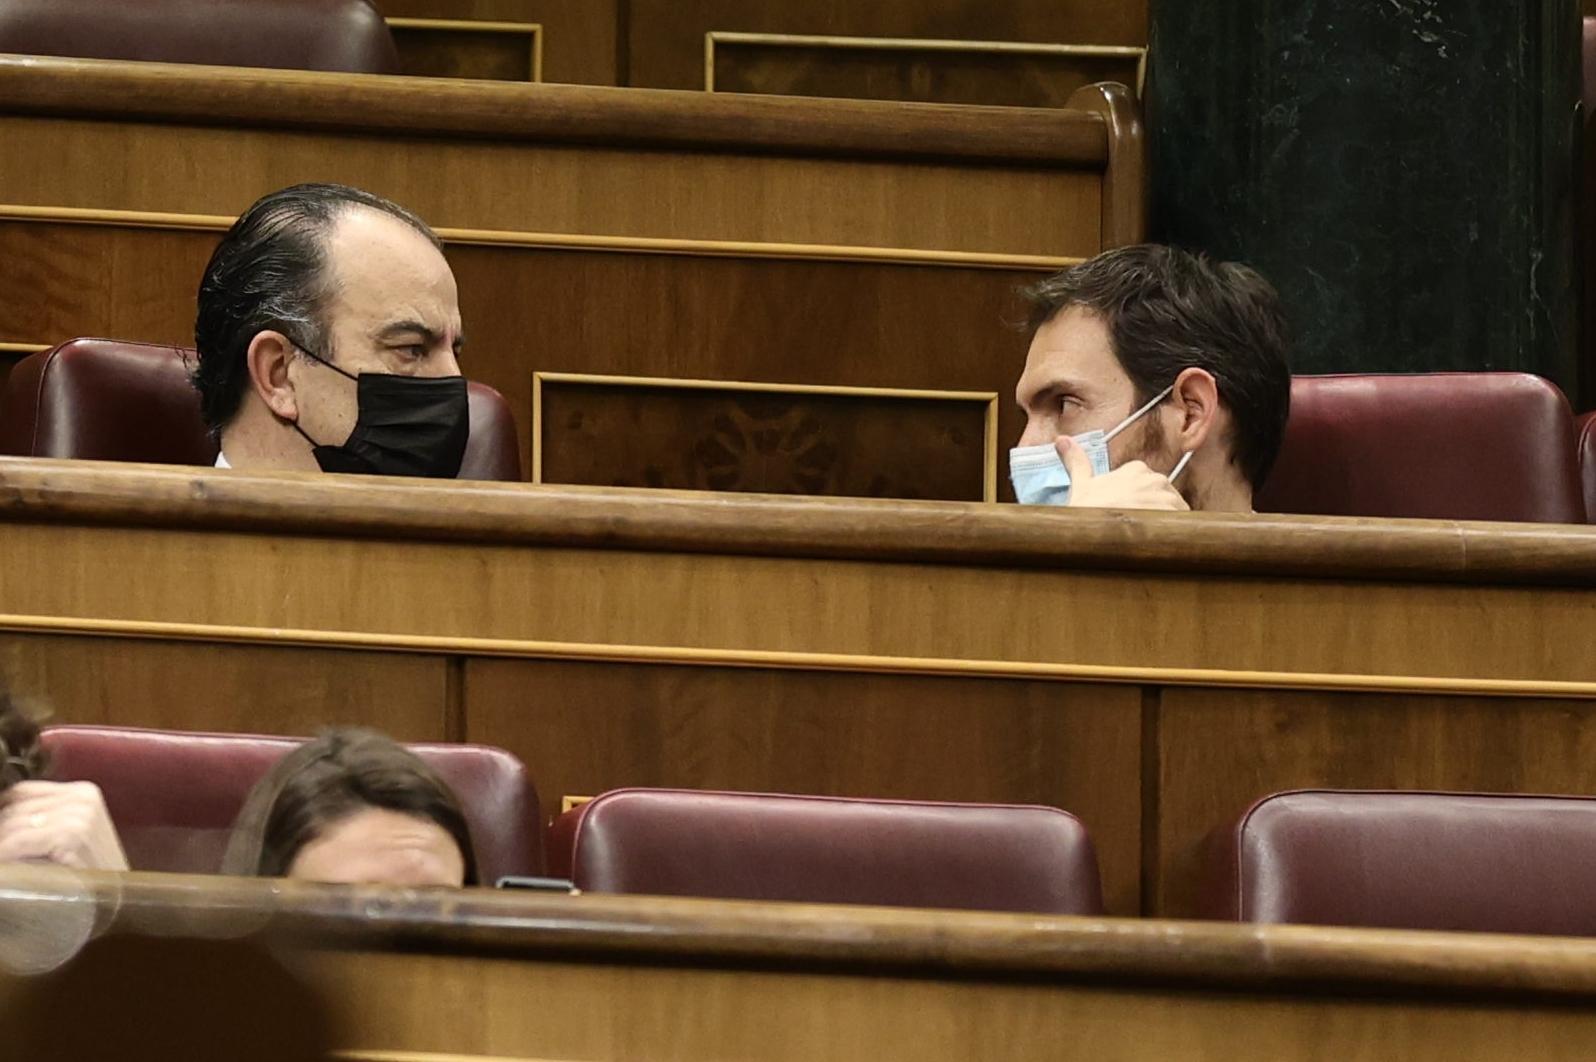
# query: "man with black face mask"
328, 336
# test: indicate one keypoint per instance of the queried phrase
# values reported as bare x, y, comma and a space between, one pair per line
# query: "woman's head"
352, 807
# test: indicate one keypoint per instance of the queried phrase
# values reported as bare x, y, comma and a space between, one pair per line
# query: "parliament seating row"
1445, 861
1484, 446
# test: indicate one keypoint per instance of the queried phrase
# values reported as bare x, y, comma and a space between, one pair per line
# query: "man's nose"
446, 364
1037, 431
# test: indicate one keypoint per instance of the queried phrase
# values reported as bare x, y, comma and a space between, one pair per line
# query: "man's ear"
268, 358
1196, 399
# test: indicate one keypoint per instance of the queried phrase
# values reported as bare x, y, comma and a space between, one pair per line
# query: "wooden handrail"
129, 495
578, 114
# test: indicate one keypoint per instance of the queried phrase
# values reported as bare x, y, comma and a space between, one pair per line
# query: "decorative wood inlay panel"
469, 48
1002, 73
764, 438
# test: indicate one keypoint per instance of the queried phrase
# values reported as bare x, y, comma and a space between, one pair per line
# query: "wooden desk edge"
610, 117
833, 938
968, 534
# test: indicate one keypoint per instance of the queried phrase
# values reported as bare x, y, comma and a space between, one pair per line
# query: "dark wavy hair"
1168, 310
270, 272
328, 779
22, 755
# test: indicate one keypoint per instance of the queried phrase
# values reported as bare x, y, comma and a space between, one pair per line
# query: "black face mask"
404, 426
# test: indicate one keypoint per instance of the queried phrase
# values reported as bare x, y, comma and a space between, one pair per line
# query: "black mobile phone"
513, 881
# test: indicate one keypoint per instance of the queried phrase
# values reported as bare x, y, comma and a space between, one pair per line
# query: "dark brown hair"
22, 756
1168, 310
330, 778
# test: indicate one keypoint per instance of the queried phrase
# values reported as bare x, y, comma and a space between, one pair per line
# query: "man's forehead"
373, 255
1073, 348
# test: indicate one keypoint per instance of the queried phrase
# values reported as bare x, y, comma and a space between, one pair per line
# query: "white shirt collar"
221, 460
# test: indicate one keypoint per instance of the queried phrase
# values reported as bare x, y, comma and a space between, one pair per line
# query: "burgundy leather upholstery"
752, 846
174, 795
109, 400
1460, 446
1585, 428
1411, 860
346, 35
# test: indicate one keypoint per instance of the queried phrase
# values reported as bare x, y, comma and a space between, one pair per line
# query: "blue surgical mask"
1039, 475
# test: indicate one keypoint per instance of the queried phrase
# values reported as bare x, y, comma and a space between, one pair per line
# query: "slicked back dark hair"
270, 273
1168, 310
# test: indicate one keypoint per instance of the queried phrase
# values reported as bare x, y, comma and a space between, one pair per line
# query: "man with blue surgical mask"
1156, 379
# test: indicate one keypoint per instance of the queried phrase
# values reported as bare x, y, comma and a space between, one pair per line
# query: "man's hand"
1130, 486
59, 822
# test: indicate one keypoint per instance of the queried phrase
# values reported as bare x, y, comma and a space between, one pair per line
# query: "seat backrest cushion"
112, 400
1455, 446
174, 795
1411, 860
753, 846
337, 35
1586, 434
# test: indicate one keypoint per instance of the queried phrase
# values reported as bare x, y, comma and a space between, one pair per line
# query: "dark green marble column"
1403, 170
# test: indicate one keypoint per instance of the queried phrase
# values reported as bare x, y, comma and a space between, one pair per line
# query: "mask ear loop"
1180, 466
1134, 417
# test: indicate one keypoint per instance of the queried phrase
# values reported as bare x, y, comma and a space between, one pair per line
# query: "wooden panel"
770, 438
492, 51
667, 36
867, 324
229, 688
1220, 750
584, 728
581, 35
563, 159
1001, 74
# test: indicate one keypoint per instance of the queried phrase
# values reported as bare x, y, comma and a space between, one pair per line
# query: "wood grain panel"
490, 51
584, 728
228, 688
993, 73
866, 324
770, 439
1220, 750
667, 36
581, 35
562, 189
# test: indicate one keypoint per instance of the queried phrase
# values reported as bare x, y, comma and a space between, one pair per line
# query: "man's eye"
413, 350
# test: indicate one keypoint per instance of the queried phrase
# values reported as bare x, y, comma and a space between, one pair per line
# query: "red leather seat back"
346, 35
110, 400
1457, 446
174, 795
1446, 861
1585, 429
751, 846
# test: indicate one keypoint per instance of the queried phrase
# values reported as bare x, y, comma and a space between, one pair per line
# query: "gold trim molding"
786, 660
989, 448
533, 30
141, 219
914, 44
430, 1056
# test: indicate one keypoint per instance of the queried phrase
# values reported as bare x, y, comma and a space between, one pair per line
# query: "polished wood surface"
1149, 672
1001, 73
243, 97
482, 975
